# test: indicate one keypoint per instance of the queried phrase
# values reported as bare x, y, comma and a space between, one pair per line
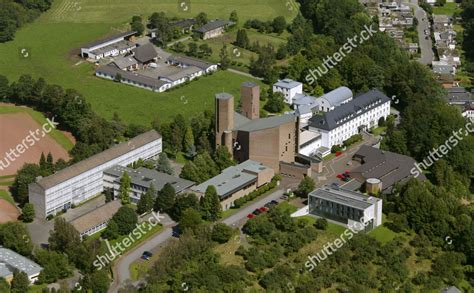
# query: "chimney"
250, 100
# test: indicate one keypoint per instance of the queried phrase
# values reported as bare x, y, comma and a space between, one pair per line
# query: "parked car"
147, 255
263, 209
284, 197
256, 212
176, 232
250, 216
338, 154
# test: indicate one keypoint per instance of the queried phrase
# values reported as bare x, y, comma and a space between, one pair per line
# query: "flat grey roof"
233, 178
458, 94
265, 123
224, 96
249, 84
287, 83
345, 197
98, 159
145, 177
350, 110
10, 260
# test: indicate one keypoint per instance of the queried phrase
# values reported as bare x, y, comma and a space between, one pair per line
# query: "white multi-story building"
289, 88
83, 180
349, 208
347, 119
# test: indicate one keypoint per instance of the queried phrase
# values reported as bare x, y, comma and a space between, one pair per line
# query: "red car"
340, 176
250, 216
338, 154
263, 209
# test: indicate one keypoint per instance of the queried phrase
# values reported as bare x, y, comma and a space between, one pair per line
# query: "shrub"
321, 224
336, 148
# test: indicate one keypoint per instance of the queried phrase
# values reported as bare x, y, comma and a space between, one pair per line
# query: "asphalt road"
122, 265
426, 46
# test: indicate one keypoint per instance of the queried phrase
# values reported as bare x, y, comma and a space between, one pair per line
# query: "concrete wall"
250, 100
295, 171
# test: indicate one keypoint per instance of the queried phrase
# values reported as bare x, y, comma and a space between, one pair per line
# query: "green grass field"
448, 9
57, 135
53, 41
7, 196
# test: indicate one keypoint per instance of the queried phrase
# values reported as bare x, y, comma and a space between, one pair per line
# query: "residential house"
213, 29
289, 88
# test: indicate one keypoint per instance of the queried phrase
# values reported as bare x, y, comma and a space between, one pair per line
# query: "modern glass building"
346, 207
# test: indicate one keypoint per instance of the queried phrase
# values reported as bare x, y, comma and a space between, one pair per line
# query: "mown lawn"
448, 9
57, 135
52, 43
7, 196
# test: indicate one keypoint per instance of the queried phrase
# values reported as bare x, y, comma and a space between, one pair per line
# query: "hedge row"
256, 193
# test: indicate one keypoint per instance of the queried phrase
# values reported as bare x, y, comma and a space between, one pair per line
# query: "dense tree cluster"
193, 262
15, 14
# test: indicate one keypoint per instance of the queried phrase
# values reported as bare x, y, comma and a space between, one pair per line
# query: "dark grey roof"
350, 110
183, 23
458, 94
265, 123
145, 177
345, 197
111, 38
112, 70
98, 159
337, 96
189, 61
145, 53
212, 25
389, 167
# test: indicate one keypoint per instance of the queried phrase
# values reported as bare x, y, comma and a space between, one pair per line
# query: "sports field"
53, 40
16, 126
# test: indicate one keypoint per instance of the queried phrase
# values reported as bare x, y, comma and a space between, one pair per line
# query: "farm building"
111, 46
